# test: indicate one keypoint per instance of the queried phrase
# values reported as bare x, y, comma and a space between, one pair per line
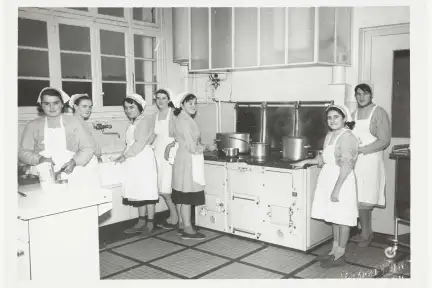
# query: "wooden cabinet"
212, 215
226, 39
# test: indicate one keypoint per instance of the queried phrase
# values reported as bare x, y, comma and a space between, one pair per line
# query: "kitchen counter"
39, 202
274, 160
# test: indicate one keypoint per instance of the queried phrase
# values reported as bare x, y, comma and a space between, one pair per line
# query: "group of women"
163, 154
352, 178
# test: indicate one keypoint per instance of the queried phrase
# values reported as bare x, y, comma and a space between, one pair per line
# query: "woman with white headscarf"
55, 138
335, 198
82, 106
139, 183
164, 132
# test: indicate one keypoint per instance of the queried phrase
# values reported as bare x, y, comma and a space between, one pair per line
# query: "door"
377, 69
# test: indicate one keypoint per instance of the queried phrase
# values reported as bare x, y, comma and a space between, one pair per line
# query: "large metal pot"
260, 151
233, 140
294, 148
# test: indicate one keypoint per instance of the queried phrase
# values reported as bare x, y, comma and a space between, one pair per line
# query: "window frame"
56, 16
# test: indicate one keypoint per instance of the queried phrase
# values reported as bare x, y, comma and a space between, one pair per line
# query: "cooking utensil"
260, 150
233, 140
231, 152
294, 148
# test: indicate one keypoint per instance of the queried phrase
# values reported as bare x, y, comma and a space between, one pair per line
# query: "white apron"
164, 168
369, 169
198, 168
139, 172
345, 211
82, 179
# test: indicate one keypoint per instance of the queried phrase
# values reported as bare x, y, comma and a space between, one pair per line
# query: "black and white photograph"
214, 142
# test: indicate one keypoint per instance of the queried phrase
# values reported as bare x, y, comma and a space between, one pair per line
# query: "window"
75, 59
145, 65
147, 15
113, 67
33, 60
87, 53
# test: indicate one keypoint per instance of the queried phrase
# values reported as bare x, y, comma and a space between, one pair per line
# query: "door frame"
365, 46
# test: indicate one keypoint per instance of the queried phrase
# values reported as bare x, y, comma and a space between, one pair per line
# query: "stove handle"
257, 235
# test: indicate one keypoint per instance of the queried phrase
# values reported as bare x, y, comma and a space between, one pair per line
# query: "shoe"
331, 262
365, 242
323, 257
135, 230
357, 238
167, 226
196, 236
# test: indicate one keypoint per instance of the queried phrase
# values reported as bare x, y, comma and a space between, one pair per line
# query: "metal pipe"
263, 122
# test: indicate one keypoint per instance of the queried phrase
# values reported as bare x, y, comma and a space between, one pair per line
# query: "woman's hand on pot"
211, 147
69, 166
299, 164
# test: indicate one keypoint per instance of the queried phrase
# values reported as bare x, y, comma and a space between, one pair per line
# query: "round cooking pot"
260, 150
294, 148
231, 152
233, 140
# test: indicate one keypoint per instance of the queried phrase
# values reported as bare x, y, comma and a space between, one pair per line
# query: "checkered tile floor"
164, 255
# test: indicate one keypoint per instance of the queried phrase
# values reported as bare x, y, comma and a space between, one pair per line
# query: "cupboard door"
326, 35
343, 35
272, 36
245, 218
200, 38
246, 37
301, 34
221, 37
119, 212
23, 261
215, 180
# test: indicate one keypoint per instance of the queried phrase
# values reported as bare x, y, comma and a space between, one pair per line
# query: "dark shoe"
357, 238
167, 226
135, 230
323, 257
365, 242
196, 236
331, 262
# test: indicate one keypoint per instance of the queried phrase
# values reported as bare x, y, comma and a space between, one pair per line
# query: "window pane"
114, 93
326, 34
145, 71
76, 66
32, 33
28, 91
144, 14
113, 69
112, 43
80, 8
74, 38
33, 63
116, 12
301, 33
72, 88
146, 89
144, 46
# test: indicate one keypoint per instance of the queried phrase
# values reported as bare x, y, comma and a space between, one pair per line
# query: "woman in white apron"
139, 183
57, 138
188, 167
164, 136
335, 199
374, 134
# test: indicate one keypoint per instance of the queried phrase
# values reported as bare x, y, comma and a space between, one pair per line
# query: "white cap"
138, 98
168, 91
74, 98
344, 110
65, 97
179, 98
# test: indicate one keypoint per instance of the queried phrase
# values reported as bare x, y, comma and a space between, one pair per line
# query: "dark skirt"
191, 198
139, 203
